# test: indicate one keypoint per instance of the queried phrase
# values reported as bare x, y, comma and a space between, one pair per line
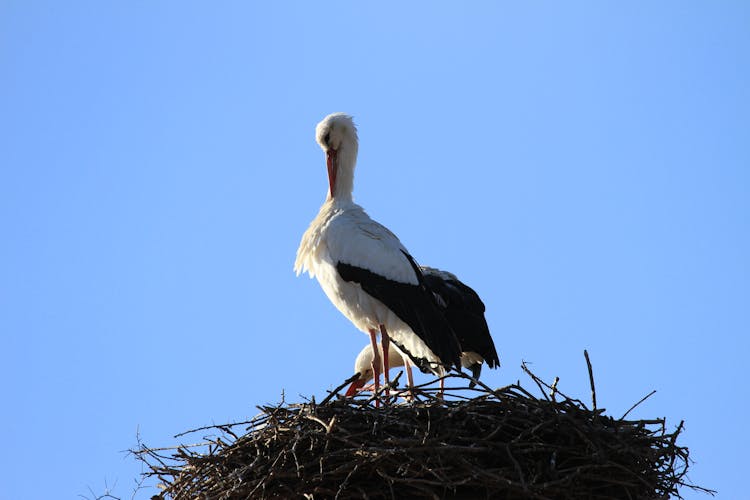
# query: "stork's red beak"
356, 385
331, 163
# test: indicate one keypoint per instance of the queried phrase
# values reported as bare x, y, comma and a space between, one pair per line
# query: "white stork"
365, 270
363, 365
464, 310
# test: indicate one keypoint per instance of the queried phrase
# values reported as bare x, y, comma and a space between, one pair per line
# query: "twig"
644, 398
327, 426
553, 389
213, 426
591, 378
536, 380
337, 389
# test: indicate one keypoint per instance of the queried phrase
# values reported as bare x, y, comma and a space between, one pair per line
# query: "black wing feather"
464, 310
414, 305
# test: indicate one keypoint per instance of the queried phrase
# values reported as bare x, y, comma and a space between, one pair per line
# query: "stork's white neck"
346, 162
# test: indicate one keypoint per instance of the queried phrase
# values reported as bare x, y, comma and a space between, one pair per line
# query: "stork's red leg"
409, 377
375, 361
384, 341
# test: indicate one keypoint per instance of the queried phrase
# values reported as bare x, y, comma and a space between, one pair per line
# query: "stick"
591, 377
337, 389
644, 398
553, 390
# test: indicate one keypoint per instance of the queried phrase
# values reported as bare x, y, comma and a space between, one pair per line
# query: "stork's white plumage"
365, 270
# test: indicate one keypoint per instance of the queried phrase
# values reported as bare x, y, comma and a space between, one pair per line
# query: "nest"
473, 443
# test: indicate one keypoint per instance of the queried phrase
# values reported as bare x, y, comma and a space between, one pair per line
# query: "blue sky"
585, 166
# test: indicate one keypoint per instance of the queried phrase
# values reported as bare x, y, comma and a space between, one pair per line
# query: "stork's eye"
326, 139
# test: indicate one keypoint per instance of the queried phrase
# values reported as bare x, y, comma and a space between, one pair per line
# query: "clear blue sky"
585, 166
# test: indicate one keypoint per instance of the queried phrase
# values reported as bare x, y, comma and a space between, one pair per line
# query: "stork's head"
336, 130
363, 368
363, 365
337, 135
